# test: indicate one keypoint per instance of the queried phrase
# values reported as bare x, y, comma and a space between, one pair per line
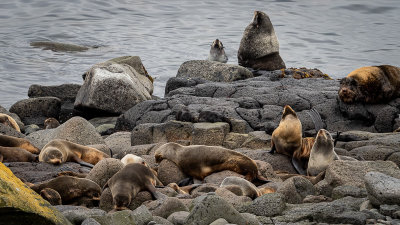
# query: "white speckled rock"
382, 189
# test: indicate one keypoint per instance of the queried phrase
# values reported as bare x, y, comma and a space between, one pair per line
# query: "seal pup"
10, 141
15, 154
372, 84
131, 158
51, 123
322, 153
200, 161
248, 189
71, 189
127, 182
9, 121
217, 52
59, 151
259, 47
287, 137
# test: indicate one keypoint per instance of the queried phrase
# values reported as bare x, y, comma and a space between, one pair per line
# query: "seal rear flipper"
186, 182
260, 180
298, 166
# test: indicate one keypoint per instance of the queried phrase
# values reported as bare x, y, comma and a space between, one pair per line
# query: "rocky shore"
215, 104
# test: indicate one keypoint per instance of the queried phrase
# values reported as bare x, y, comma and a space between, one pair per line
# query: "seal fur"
15, 154
372, 84
9, 121
217, 52
10, 141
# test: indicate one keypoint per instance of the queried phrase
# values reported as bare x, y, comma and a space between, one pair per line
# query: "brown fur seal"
373, 84
287, 137
127, 182
200, 161
15, 154
259, 47
51, 123
322, 153
9, 121
300, 157
10, 141
72, 189
217, 52
51, 195
59, 151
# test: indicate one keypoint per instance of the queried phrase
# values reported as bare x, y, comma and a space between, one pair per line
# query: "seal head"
217, 52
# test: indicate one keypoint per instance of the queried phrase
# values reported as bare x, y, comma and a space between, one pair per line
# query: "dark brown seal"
73, 190
15, 154
259, 47
10, 141
373, 84
200, 161
59, 151
127, 182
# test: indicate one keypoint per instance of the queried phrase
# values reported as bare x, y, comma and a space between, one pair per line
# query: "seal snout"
322, 133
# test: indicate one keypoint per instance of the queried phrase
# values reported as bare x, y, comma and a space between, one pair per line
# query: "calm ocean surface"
334, 36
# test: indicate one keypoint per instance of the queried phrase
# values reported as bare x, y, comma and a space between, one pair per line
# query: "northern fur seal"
259, 47
73, 190
9, 121
200, 161
58, 151
217, 52
127, 182
322, 153
15, 154
10, 141
373, 84
51, 123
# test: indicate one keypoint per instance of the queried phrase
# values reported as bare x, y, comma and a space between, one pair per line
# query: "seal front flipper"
298, 166
186, 182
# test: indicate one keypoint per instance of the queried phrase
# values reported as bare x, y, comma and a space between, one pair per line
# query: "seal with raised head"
51, 123
10, 141
15, 154
259, 47
372, 84
322, 153
127, 182
59, 151
9, 121
200, 161
73, 190
217, 52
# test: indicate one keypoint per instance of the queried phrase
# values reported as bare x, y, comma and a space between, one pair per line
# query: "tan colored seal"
217, 52
127, 182
9, 121
72, 190
10, 141
59, 151
15, 154
200, 161
372, 84
322, 153
51, 123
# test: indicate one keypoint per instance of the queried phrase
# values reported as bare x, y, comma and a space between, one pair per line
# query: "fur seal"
248, 188
10, 141
200, 161
127, 182
73, 190
51, 195
217, 52
372, 84
51, 123
131, 158
58, 151
15, 154
322, 153
259, 47
9, 121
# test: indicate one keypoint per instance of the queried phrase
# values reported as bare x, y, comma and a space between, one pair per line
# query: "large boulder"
76, 129
36, 110
65, 92
20, 204
382, 189
104, 170
118, 142
112, 88
14, 116
213, 71
267, 205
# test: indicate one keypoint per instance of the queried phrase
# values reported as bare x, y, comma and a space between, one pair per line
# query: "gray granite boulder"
236, 201
79, 214
104, 170
7, 130
76, 129
295, 189
36, 110
140, 216
181, 82
169, 172
213, 71
209, 133
267, 205
208, 208
118, 142
382, 189
178, 218
112, 88
65, 92
353, 191
165, 207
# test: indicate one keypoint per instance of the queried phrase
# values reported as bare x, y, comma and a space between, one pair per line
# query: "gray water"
334, 36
